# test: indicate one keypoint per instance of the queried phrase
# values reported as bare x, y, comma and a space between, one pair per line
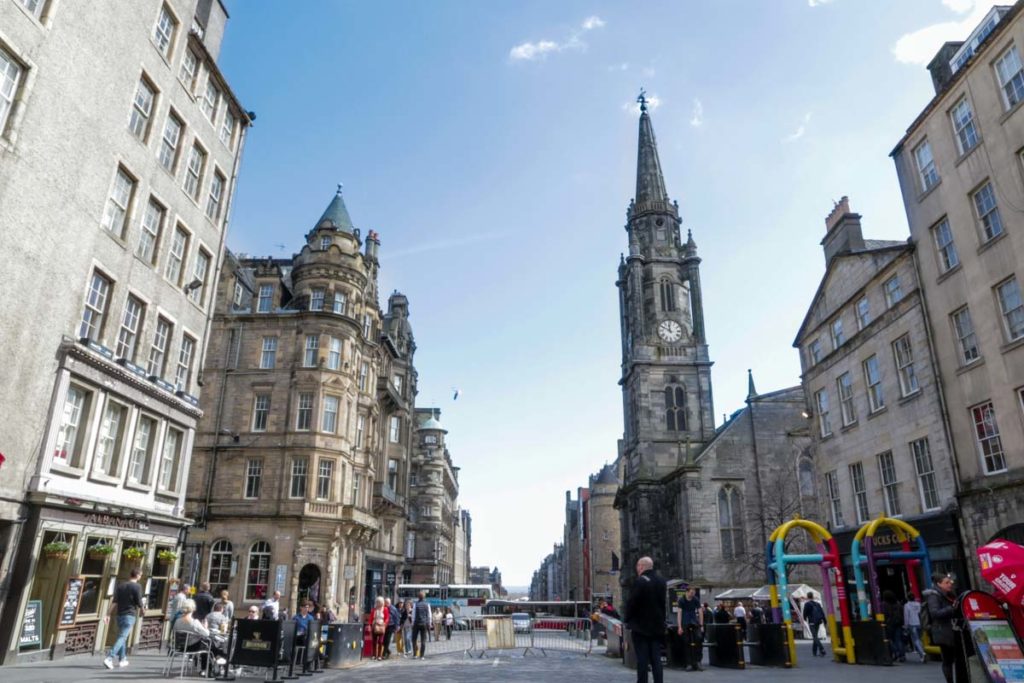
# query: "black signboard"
31, 634
313, 642
257, 642
72, 598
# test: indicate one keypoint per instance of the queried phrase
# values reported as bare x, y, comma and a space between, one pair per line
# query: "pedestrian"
229, 607
912, 622
709, 614
420, 624
392, 626
937, 621
645, 616
893, 613
204, 601
126, 607
379, 626
740, 612
756, 614
814, 615
721, 614
437, 618
449, 622
272, 606
691, 618
406, 625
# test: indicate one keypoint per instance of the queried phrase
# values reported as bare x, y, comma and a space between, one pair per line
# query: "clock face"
670, 331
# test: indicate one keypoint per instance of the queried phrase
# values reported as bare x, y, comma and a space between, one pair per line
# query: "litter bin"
343, 645
676, 646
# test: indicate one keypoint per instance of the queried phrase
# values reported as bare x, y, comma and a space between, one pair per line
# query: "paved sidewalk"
503, 667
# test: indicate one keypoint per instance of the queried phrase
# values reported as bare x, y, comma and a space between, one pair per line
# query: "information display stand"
997, 645
255, 643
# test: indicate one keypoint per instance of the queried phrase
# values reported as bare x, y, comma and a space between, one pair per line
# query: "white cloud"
530, 51
697, 118
817, 3
800, 130
624, 66
648, 72
653, 102
920, 46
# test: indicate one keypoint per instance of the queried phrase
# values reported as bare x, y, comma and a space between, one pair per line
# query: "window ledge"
138, 486
948, 274
849, 427
104, 478
967, 367
985, 246
120, 241
878, 412
166, 493
969, 152
69, 470
910, 397
1011, 111
159, 51
921, 197
33, 18
1010, 346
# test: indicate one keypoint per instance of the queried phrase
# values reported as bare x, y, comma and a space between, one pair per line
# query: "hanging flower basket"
133, 554
167, 556
99, 551
57, 550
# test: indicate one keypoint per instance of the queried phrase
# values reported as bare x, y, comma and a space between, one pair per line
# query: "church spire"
650, 184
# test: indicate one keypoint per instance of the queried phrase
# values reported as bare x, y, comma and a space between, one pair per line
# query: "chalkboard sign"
256, 642
72, 598
31, 634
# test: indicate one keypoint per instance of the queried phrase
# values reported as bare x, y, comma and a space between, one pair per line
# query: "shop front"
72, 556
381, 580
941, 534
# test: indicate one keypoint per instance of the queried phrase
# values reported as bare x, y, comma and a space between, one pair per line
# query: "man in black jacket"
204, 602
938, 603
645, 616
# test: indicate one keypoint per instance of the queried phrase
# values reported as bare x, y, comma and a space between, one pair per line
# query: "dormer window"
325, 242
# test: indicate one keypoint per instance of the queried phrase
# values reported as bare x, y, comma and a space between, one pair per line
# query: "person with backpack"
420, 625
814, 615
937, 622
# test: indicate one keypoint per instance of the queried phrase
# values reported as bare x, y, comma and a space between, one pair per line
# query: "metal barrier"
564, 634
478, 636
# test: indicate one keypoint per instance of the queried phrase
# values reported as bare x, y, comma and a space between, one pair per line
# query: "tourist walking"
437, 618
420, 625
406, 625
912, 622
449, 623
645, 616
740, 612
378, 626
893, 613
937, 620
814, 615
690, 618
126, 607
392, 627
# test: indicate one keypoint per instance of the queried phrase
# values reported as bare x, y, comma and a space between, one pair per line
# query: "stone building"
486, 575
301, 460
961, 174
120, 141
548, 582
697, 499
463, 543
874, 396
433, 493
605, 539
576, 541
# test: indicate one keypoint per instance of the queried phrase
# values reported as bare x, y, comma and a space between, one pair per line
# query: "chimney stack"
842, 230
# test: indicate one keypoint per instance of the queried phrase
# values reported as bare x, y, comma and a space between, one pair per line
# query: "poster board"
996, 643
31, 628
72, 599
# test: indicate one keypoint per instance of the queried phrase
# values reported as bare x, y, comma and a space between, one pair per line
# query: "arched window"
220, 566
730, 522
257, 578
675, 408
668, 295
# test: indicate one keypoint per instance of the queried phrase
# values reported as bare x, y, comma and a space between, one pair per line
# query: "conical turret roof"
336, 215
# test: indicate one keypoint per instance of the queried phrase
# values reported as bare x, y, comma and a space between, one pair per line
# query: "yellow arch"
903, 530
818, 532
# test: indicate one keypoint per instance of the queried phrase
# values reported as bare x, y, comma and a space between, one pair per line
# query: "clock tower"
666, 370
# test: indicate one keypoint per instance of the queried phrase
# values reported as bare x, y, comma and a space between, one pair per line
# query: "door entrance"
309, 584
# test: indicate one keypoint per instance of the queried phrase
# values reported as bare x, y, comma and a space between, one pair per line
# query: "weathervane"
642, 99
340, 185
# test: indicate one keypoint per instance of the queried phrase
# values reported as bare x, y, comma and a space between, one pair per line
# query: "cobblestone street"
504, 668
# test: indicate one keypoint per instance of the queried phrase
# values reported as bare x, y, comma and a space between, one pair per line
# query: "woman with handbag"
379, 625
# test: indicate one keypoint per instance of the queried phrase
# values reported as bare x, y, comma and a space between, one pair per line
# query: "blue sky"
493, 147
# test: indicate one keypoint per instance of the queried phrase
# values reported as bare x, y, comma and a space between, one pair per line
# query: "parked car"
521, 622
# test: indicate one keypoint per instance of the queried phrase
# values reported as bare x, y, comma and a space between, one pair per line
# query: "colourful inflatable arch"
828, 559
913, 554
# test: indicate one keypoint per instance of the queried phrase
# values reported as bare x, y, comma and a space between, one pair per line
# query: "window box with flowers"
167, 556
99, 551
57, 550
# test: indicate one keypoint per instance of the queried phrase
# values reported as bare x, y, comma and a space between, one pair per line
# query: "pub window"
92, 574
257, 578
220, 566
157, 595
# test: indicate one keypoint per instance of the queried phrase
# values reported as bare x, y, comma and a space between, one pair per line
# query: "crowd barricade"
563, 634
725, 646
613, 631
766, 645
